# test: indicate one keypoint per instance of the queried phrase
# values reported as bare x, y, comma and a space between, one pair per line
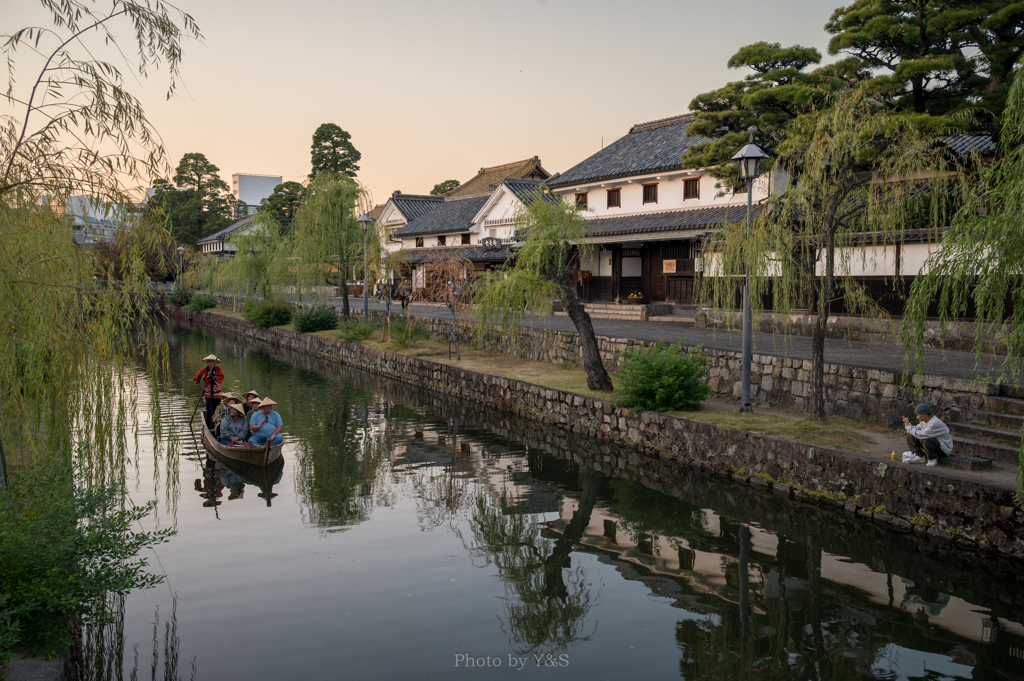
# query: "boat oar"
194, 413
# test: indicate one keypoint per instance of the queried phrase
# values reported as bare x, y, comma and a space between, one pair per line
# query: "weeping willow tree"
70, 341
857, 181
554, 237
263, 265
979, 271
328, 237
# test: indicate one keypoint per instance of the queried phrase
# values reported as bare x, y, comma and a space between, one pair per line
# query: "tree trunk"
3, 456
565, 278
816, 381
597, 375
344, 299
554, 584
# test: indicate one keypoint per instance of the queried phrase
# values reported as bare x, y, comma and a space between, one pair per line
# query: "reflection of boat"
257, 456
263, 477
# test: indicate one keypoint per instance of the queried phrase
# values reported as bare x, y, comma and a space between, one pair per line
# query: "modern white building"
252, 189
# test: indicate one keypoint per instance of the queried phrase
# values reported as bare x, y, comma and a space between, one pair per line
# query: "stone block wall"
937, 504
867, 395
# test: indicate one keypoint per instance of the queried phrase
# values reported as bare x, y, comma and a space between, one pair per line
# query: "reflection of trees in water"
645, 514
347, 438
101, 654
547, 600
442, 490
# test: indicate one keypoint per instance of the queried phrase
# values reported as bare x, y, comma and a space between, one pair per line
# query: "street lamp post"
181, 265
364, 222
750, 157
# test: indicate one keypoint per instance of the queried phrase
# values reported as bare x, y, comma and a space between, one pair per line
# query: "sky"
432, 90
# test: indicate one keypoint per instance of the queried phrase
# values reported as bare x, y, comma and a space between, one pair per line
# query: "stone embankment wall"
867, 395
943, 506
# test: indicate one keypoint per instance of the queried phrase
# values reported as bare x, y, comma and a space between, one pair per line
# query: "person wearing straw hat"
250, 397
222, 411
234, 427
265, 424
212, 377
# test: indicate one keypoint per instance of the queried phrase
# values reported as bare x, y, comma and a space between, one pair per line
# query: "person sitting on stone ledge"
929, 438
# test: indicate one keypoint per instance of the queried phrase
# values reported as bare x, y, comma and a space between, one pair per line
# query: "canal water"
410, 536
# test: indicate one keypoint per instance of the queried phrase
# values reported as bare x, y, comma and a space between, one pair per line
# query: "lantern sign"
491, 243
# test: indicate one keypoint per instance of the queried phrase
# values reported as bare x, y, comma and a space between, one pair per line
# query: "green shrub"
353, 332
180, 297
202, 301
319, 317
62, 551
405, 331
663, 378
267, 312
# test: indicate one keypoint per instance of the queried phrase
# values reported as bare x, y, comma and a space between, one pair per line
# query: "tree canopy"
284, 203
933, 57
444, 187
332, 150
197, 204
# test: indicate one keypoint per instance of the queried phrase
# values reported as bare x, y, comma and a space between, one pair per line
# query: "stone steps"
981, 417
1005, 404
1008, 437
967, 463
986, 450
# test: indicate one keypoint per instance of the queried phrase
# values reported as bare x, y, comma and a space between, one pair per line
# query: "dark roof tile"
648, 148
472, 253
649, 223
412, 206
454, 215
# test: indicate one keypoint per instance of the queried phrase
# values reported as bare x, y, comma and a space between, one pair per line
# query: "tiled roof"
412, 206
227, 231
648, 148
472, 253
971, 143
453, 215
647, 223
489, 178
525, 190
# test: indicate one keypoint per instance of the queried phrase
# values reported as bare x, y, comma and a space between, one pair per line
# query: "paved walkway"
953, 364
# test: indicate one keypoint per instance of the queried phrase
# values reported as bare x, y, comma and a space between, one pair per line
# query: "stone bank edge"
937, 505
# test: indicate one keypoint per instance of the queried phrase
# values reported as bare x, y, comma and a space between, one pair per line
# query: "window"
650, 193
419, 242
441, 240
465, 239
581, 200
691, 188
614, 200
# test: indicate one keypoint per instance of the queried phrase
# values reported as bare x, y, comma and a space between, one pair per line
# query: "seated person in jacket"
929, 438
234, 427
250, 397
265, 424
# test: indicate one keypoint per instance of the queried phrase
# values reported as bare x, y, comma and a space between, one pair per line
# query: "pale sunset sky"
433, 90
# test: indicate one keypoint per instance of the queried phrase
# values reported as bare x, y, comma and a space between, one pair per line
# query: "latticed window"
581, 200
419, 242
465, 239
650, 193
614, 198
441, 240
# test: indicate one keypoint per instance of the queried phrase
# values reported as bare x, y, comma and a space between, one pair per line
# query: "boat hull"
255, 456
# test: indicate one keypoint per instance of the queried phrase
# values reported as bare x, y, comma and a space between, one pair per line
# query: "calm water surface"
407, 536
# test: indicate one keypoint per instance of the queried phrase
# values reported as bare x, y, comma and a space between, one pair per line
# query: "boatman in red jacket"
212, 377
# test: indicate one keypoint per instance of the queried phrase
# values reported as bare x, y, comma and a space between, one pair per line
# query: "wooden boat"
257, 456
262, 477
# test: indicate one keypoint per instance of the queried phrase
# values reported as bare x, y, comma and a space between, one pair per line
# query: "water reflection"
573, 543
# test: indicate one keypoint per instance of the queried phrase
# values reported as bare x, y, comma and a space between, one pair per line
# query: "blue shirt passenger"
265, 423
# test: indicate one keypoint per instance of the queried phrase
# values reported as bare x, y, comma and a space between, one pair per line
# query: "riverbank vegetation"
77, 325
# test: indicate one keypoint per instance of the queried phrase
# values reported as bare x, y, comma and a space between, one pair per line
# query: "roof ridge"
463, 197
508, 165
662, 123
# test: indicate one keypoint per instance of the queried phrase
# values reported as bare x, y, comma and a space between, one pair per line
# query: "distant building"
219, 243
487, 179
94, 221
252, 189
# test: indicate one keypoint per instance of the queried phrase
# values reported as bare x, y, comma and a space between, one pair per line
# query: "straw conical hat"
267, 402
237, 406
250, 392
225, 396
211, 357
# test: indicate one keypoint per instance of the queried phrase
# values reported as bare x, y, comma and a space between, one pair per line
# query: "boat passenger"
221, 411
212, 376
249, 397
266, 424
234, 428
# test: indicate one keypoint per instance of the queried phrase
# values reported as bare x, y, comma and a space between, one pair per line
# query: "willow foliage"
857, 182
71, 340
979, 271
